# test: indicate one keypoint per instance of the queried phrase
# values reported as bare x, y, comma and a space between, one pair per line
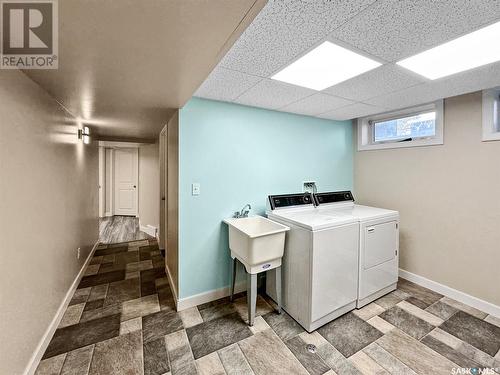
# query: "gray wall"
49, 208
448, 197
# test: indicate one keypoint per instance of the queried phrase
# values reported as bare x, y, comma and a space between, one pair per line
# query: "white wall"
149, 185
48, 208
448, 198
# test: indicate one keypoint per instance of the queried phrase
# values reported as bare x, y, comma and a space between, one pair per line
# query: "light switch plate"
195, 188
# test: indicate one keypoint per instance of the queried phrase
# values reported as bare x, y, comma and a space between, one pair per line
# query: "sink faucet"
244, 212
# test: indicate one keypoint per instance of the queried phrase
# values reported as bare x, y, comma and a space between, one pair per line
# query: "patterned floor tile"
210, 365
190, 317
419, 357
388, 301
213, 335
72, 315
180, 354
421, 293
80, 296
441, 309
415, 301
387, 360
448, 352
419, 313
267, 354
349, 334
407, 322
366, 364
129, 325
83, 334
234, 361
156, 357
461, 306
98, 292
480, 334
119, 355
284, 326
160, 324
102, 278
140, 307
51, 366
78, 361
92, 305
311, 361
368, 311
121, 291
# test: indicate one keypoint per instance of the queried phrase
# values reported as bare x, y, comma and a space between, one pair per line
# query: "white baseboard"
172, 285
149, 229
44, 342
211, 295
480, 304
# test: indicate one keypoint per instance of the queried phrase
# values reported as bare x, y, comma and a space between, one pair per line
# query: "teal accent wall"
241, 155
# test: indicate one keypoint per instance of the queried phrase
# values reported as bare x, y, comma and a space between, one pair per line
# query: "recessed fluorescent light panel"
478, 48
325, 66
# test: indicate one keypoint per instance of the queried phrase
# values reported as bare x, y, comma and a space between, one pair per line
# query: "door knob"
135, 186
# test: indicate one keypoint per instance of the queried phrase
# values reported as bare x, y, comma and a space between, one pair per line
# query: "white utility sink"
256, 242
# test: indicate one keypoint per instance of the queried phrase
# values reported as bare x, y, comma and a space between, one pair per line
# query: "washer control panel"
333, 197
288, 200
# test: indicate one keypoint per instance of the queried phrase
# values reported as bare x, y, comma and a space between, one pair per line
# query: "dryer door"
378, 266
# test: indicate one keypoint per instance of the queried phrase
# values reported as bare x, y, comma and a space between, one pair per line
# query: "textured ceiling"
123, 67
384, 30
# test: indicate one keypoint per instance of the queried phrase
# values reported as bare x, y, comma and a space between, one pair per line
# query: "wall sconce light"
84, 134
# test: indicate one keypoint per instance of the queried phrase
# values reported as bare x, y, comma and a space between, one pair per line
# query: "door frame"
163, 154
136, 177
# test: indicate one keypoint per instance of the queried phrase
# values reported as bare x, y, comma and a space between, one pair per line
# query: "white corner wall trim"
211, 295
480, 304
44, 342
149, 229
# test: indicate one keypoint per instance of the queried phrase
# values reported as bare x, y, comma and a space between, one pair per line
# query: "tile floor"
117, 229
122, 320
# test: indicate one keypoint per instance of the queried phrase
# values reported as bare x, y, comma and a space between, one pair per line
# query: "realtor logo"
29, 34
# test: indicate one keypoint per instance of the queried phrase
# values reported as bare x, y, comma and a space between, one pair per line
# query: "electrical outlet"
78, 253
195, 189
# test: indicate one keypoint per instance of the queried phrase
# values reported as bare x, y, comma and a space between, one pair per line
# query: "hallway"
119, 229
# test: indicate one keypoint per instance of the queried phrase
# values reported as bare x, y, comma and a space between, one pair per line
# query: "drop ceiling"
384, 30
124, 65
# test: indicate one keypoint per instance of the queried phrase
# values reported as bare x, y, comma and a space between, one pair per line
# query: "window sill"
408, 144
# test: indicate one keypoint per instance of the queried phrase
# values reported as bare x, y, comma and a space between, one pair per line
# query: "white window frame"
491, 106
366, 139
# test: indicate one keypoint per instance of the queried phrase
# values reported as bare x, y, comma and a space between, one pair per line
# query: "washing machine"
320, 261
378, 243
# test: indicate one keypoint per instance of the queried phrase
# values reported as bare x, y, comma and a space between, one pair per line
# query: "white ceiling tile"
383, 80
393, 29
273, 94
225, 85
473, 80
352, 111
316, 104
284, 30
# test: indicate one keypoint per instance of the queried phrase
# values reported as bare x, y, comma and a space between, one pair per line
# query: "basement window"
491, 114
417, 126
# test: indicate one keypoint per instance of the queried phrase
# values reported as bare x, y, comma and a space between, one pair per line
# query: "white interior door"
126, 181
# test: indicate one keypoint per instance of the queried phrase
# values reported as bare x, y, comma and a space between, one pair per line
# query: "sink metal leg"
233, 281
251, 296
278, 287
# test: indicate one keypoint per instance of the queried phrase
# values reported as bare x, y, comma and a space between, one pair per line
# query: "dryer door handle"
371, 229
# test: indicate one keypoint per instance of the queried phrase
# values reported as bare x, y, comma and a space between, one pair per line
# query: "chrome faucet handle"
236, 215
